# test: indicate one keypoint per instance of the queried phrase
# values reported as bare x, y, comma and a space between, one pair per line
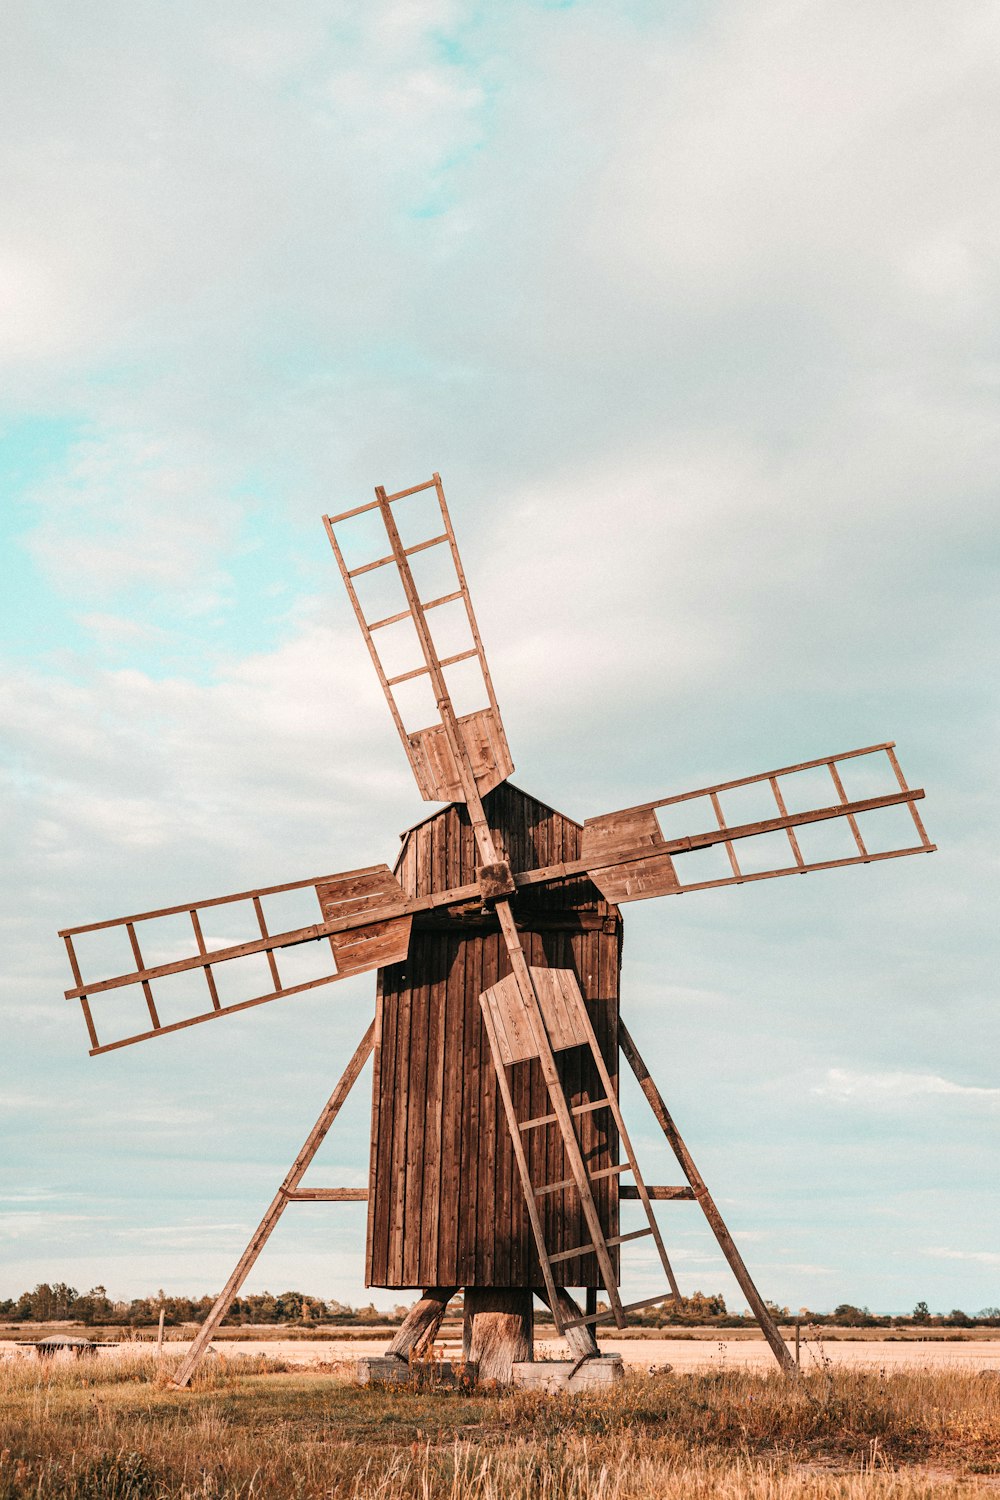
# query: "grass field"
115, 1428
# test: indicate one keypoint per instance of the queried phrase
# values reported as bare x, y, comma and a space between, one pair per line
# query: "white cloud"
887, 1087
984, 1257
28, 1223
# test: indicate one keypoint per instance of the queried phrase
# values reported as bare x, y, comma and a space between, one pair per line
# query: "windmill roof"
521, 792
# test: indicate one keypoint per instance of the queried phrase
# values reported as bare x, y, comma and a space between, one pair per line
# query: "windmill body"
499, 1154
445, 1204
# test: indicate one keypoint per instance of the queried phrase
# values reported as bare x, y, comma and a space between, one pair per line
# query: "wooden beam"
658, 1194
580, 1339
281, 1198
419, 1328
328, 1195
768, 1326
498, 1330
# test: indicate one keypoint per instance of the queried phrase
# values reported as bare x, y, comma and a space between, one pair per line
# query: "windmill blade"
630, 857
421, 725
365, 919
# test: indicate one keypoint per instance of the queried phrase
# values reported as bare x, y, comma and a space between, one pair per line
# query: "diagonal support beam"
768, 1326
283, 1196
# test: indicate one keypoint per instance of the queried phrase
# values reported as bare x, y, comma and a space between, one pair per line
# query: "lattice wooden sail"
363, 918
425, 741
631, 855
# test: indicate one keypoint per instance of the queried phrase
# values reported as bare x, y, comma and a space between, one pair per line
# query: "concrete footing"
557, 1375
381, 1369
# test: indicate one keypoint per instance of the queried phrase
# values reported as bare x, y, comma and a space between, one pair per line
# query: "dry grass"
117, 1429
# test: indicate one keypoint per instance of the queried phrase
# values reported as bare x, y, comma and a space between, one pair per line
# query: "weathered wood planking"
434, 764
446, 1207
556, 990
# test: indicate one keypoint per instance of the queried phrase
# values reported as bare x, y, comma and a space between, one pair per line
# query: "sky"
694, 308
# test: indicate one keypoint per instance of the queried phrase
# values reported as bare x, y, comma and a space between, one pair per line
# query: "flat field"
114, 1429
652, 1353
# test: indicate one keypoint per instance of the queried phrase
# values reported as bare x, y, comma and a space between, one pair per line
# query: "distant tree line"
60, 1303
699, 1310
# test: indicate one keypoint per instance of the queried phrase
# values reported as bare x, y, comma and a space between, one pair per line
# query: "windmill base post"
419, 1328
498, 1330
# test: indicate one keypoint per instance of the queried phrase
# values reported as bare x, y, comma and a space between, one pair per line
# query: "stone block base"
381, 1369
557, 1375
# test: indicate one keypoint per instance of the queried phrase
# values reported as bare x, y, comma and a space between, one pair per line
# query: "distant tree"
47, 1303
290, 1306
94, 1306
921, 1313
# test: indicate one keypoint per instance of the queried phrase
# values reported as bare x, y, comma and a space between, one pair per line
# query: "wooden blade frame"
365, 922
629, 859
429, 748
368, 915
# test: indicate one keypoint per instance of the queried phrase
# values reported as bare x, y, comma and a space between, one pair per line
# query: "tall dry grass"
114, 1429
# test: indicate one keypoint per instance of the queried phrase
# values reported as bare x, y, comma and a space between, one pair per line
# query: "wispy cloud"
885, 1087
983, 1257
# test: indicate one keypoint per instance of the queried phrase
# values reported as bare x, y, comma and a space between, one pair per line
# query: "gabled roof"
520, 791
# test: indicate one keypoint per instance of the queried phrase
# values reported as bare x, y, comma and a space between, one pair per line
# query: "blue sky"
697, 317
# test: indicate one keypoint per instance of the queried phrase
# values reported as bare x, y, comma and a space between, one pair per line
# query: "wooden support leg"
263, 1231
768, 1326
498, 1329
420, 1326
581, 1341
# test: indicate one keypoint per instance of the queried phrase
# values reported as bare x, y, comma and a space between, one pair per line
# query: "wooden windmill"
499, 1155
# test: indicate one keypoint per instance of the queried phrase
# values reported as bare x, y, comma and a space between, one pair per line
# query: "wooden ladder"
513, 1039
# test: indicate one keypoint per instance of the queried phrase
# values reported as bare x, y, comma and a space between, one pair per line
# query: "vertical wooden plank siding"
445, 1205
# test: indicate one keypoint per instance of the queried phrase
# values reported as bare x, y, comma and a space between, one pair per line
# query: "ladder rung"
414, 489
618, 1239
380, 562
444, 599
404, 614
608, 1315
358, 510
449, 661
434, 541
406, 676
419, 671
578, 1109
568, 1182
554, 1187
